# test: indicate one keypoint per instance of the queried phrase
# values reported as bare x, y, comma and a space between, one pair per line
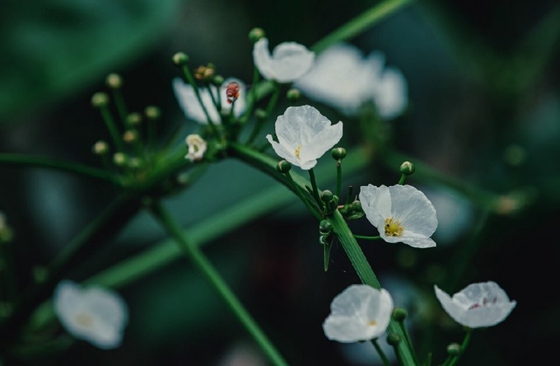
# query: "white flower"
478, 305
197, 147
288, 62
304, 135
344, 79
94, 314
401, 213
359, 313
189, 103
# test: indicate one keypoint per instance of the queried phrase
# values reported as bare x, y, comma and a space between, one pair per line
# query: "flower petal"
376, 203
189, 103
322, 142
413, 209
288, 62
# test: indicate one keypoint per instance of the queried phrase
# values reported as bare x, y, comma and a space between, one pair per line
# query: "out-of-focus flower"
94, 314
401, 213
344, 79
359, 313
289, 60
189, 103
478, 305
197, 147
304, 135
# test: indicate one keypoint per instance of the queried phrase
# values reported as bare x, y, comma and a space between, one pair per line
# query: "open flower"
359, 313
288, 62
197, 147
478, 305
401, 213
344, 79
191, 107
94, 314
304, 135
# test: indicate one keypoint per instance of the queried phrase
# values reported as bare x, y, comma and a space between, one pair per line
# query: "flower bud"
205, 73
260, 113
100, 148
283, 166
114, 81
218, 80
393, 339
356, 206
407, 168
400, 314
326, 196
99, 100
180, 59
453, 349
152, 112
120, 159
255, 34
338, 153
134, 119
134, 163
130, 136
293, 95
325, 227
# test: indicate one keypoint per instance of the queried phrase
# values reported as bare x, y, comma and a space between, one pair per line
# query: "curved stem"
367, 237
42, 162
212, 275
380, 352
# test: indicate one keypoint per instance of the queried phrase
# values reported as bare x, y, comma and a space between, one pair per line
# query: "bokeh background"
484, 108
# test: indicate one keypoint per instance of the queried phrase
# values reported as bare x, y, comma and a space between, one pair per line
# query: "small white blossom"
359, 313
401, 213
94, 314
197, 147
344, 79
478, 305
289, 60
304, 135
191, 107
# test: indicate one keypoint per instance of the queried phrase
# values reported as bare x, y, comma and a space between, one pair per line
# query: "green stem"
112, 127
402, 180
42, 162
464, 345
338, 177
380, 352
315, 188
298, 192
121, 105
206, 268
407, 338
252, 97
357, 25
270, 107
367, 237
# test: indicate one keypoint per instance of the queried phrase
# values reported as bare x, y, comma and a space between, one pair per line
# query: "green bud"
453, 349
255, 34
130, 136
293, 95
218, 80
393, 339
114, 81
260, 113
325, 227
326, 196
100, 148
407, 168
120, 159
180, 59
356, 206
152, 112
400, 314
283, 166
134, 119
338, 153
99, 100
134, 163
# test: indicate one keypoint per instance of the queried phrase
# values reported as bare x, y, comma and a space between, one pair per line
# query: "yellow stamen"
84, 319
393, 227
372, 323
298, 149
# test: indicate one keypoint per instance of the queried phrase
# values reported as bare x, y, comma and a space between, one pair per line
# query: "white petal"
262, 59
413, 209
284, 152
390, 93
288, 62
322, 142
189, 103
376, 203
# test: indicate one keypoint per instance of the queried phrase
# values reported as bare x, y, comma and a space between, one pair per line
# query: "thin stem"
121, 105
42, 162
380, 352
216, 102
350, 193
367, 237
464, 345
314, 187
112, 127
212, 275
297, 190
270, 107
407, 337
252, 97
338, 177
402, 180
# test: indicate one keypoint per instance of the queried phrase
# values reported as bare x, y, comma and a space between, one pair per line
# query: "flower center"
84, 319
298, 149
393, 227
371, 323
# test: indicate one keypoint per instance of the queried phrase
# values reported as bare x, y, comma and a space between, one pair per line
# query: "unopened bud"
407, 168
134, 119
255, 34
180, 59
400, 314
100, 148
260, 113
325, 227
293, 95
356, 206
205, 72
120, 159
134, 163
338, 153
152, 112
218, 80
393, 339
326, 196
114, 81
99, 100
283, 166
130, 136
453, 349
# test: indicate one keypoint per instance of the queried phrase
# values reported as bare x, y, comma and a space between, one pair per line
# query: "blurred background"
484, 108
